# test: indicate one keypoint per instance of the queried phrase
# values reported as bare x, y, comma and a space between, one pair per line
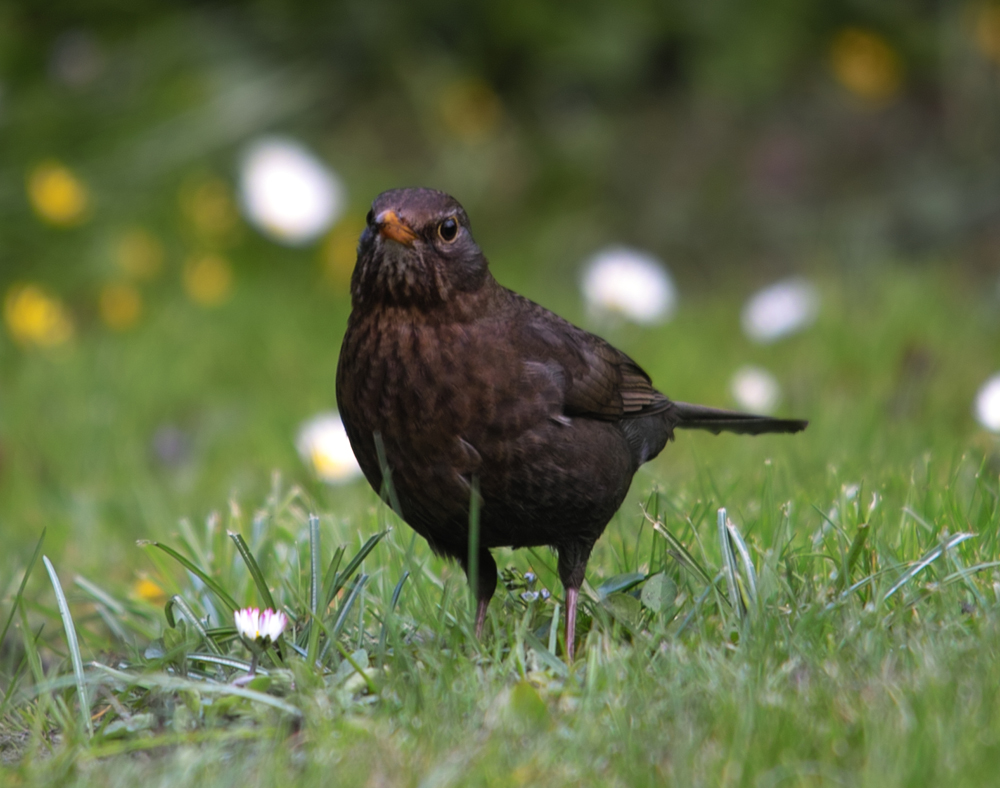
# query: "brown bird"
454, 378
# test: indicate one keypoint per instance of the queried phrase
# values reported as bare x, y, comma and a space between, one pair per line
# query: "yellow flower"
140, 254
145, 589
120, 306
56, 194
35, 318
866, 64
986, 29
340, 250
208, 279
469, 109
209, 206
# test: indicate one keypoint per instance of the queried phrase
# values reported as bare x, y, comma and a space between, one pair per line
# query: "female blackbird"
451, 378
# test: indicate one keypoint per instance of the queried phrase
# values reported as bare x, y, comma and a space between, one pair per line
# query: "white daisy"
780, 309
323, 444
630, 282
288, 193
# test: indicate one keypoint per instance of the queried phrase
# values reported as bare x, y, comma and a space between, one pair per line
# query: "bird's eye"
370, 217
448, 229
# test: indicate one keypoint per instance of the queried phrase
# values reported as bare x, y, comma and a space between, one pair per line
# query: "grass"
841, 627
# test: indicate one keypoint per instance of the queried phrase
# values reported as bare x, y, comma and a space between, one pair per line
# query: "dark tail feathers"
701, 417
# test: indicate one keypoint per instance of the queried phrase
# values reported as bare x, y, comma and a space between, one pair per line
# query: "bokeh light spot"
35, 318
323, 444
120, 306
148, 591
209, 206
631, 283
986, 31
470, 109
76, 59
866, 64
287, 193
987, 405
755, 389
57, 195
779, 310
140, 254
208, 279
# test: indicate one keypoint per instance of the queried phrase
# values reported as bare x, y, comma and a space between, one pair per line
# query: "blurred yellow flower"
340, 250
866, 64
147, 590
35, 318
56, 194
120, 306
208, 279
140, 254
986, 29
469, 109
209, 206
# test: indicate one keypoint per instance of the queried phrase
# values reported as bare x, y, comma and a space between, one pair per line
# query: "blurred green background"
159, 352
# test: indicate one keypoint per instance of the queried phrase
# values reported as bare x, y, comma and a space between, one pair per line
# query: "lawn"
844, 630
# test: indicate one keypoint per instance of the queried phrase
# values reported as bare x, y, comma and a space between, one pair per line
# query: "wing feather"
599, 381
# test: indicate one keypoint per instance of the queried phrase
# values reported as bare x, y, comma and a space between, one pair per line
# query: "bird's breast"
440, 395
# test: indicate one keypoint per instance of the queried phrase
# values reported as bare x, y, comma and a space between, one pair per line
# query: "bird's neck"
458, 307
424, 299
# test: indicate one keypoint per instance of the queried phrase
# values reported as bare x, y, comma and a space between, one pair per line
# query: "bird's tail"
701, 417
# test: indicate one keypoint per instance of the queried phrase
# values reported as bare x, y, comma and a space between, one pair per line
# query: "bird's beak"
392, 227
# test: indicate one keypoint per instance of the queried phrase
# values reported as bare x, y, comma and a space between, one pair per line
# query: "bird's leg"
572, 566
486, 585
571, 597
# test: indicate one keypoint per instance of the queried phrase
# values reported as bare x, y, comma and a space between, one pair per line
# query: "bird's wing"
598, 380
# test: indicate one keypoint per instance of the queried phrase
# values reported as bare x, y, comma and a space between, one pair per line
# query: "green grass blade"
314, 578
736, 538
209, 582
357, 668
472, 567
175, 684
680, 552
385, 620
181, 604
729, 565
928, 558
857, 545
258, 577
100, 595
330, 587
226, 662
72, 645
31, 646
554, 629
342, 614
355, 562
20, 588
546, 656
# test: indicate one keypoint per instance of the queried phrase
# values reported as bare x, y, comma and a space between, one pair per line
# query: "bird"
451, 386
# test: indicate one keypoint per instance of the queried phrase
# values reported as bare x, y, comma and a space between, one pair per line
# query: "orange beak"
392, 227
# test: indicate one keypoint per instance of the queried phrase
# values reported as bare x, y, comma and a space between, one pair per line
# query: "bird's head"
416, 250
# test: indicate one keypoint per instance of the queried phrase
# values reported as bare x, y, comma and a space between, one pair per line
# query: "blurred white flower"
263, 628
633, 283
288, 193
755, 389
323, 444
781, 309
987, 406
